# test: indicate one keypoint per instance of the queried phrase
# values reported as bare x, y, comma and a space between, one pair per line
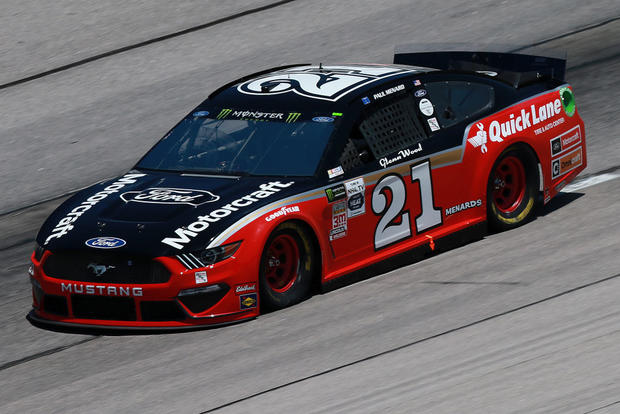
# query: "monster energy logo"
293, 116
335, 193
224, 113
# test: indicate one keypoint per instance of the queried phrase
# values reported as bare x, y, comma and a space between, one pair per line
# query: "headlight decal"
207, 257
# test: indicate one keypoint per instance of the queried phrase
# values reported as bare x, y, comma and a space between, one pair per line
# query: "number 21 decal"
395, 224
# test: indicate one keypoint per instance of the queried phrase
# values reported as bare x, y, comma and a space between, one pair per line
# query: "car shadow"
559, 201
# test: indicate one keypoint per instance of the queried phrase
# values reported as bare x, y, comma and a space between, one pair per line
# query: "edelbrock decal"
185, 234
65, 225
170, 196
105, 242
328, 83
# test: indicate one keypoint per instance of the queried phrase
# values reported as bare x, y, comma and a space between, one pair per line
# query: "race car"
291, 178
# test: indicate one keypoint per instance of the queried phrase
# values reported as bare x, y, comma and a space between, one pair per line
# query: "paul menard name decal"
185, 234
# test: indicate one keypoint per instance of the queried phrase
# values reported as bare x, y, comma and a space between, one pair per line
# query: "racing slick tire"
512, 189
287, 268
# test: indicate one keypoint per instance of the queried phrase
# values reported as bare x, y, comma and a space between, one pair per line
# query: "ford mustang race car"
288, 179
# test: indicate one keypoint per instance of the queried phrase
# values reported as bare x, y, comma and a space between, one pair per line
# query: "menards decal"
516, 119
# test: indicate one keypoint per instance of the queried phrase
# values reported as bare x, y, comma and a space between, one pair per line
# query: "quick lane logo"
515, 122
224, 113
292, 117
65, 224
185, 234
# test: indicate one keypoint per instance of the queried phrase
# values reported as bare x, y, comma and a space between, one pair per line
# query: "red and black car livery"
299, 175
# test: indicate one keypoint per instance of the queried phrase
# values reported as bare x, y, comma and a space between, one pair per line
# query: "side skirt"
449, 242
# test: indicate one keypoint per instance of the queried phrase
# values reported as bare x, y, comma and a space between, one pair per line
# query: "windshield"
243, 143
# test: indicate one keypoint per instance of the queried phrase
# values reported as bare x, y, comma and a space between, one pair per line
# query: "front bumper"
184, 301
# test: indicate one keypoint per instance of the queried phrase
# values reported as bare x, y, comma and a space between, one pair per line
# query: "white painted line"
589, 182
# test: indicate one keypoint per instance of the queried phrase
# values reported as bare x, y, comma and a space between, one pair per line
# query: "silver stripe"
189, 260
180, 258
196, 259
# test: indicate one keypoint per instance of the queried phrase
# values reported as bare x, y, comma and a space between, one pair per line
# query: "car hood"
160, 214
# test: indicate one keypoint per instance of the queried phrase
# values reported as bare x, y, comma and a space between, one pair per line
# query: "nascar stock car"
290, 178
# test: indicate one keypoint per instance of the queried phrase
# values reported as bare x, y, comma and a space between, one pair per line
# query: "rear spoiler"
514, 66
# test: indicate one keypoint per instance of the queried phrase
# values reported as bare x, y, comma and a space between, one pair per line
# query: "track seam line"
41, 354
416, 342
570, 33
144, 43
603, 407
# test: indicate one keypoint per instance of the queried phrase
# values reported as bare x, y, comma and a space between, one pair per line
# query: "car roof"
305, 86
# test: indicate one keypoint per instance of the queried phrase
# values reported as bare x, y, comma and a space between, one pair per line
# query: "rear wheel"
287, 267
512, 189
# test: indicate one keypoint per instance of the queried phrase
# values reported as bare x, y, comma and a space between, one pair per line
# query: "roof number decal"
328, 83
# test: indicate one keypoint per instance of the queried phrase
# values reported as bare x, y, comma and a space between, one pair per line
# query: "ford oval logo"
420, 93
105, 242
323, 119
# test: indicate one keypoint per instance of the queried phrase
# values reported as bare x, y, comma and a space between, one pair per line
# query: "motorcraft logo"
65, 224
170, 196
328, 83
511, 122
185, 234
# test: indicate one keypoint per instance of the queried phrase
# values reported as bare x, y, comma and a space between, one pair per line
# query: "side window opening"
392, 127
457, 101
350, 157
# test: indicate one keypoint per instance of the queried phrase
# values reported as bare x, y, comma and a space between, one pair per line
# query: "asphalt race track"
526, 321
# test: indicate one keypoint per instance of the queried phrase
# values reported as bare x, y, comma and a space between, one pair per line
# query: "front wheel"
287, 267
512, 189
